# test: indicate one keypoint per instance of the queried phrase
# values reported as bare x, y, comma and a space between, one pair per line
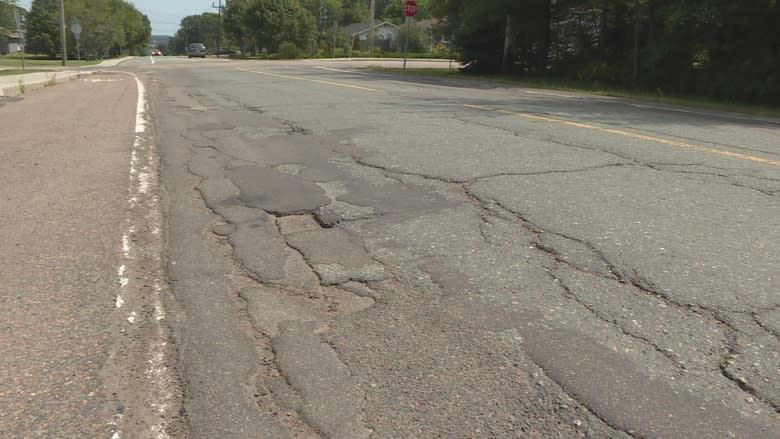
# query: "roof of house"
359, 28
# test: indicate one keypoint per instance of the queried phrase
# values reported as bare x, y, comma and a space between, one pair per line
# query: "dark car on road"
227, 51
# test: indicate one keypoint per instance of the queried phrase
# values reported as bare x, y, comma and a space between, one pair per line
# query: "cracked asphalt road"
357, 255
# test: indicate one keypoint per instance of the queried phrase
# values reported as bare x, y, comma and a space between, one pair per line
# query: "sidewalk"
13, 85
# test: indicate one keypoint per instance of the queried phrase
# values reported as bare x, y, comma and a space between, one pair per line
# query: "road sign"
76, 29
410, 8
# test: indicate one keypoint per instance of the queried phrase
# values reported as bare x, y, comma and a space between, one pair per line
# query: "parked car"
196, 49
157, 52
227, 51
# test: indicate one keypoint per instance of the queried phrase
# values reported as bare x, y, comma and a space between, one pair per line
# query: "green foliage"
202, 28
265, 24
391, 11
7, 18
109, 28
288, 50
716, 48
418, 39
43, 27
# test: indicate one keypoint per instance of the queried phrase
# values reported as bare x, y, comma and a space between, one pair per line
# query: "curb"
20, 84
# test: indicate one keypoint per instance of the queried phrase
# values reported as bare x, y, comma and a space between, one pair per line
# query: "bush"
288, 50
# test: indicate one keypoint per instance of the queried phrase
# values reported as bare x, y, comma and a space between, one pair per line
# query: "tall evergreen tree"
43, 25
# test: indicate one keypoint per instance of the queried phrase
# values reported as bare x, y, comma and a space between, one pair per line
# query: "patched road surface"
330, 252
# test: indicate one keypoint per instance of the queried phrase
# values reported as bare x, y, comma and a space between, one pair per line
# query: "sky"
165, 15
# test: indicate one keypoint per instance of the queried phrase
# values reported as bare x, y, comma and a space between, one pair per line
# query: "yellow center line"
720, 152
319, 81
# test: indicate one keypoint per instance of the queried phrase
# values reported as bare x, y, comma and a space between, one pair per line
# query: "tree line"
719, 49
109, 28
265, 25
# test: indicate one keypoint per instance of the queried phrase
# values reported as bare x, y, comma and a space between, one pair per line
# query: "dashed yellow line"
319, 81
720, 152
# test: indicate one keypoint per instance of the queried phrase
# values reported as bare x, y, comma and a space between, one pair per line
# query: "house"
12, 43
384, 33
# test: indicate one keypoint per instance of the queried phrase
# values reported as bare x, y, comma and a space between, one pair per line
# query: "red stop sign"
410, 8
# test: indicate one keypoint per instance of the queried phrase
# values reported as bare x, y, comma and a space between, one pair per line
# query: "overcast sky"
165, 15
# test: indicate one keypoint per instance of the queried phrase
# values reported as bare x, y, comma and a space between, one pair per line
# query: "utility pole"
371, 46
636, 43
187, 36
20, 29
62, 33
335, 29
506, 66
219, 28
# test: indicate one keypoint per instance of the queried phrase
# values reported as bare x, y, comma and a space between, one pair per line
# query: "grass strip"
590, 88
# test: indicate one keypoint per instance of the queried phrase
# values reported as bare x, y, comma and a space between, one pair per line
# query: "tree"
202, 28
7, 17
354, 11
268, 23
716, 48
110, 27
43, 27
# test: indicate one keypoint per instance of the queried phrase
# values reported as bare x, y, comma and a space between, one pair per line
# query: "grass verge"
13, 72
15, 62
596, 89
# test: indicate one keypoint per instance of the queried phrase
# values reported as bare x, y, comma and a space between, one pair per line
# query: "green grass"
20, 72
597, 89
40, 62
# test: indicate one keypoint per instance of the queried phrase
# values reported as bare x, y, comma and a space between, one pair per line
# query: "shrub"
288, 50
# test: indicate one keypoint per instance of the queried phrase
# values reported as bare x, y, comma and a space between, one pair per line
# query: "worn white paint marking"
100, 80
163, 400
140, 118
126, 245
559, 95
159, 311
143, 180
331, 69
144, 210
